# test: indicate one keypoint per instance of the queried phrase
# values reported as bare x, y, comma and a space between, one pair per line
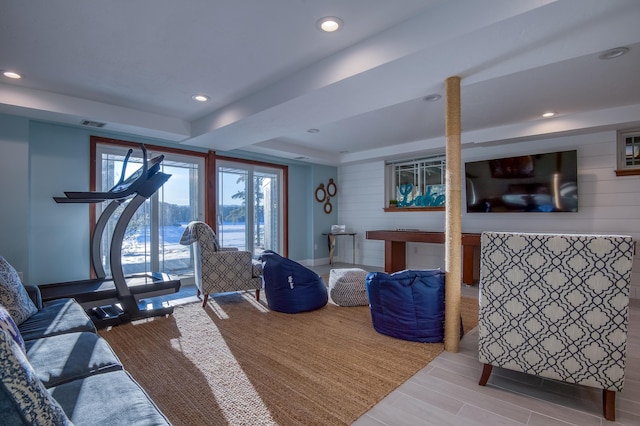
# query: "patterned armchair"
556, 306
217, 269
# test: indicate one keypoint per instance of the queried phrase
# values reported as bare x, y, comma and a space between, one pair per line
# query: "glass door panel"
267, 224
249, 216
152, 238
232, 207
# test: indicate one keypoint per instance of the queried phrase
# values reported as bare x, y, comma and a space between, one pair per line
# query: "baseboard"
314, 262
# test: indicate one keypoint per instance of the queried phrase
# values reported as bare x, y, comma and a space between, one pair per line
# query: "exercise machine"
116, 299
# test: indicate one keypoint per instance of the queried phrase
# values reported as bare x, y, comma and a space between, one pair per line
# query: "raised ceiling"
272, 75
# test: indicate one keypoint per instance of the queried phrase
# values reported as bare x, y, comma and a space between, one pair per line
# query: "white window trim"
106, 148
621, 146
391, 172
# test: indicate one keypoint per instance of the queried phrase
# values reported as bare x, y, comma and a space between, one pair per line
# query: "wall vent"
91, 123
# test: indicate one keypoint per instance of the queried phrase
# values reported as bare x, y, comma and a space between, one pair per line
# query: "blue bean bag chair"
291, 287
408, 305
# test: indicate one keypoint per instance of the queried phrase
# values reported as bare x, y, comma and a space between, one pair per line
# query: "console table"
331, 242
395, 249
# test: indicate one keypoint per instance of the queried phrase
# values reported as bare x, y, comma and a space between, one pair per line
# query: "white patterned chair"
556, 306
217, 269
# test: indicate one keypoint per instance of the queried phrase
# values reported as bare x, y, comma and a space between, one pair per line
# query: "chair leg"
486, 372
198, 293
258, 294
609, 404
204, 302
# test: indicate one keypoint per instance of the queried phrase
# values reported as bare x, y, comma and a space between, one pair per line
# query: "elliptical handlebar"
124, 188
124, 168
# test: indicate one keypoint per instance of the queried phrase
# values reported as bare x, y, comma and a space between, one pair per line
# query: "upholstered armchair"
556, 306
217, 269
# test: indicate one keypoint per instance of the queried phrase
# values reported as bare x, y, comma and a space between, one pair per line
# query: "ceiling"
272, 75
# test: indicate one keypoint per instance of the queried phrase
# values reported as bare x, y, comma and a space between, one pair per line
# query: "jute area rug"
238, 363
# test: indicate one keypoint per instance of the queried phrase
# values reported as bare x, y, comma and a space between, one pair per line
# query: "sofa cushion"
24, 399
112, 398
66, 357
56, 317
10, 327
13, 295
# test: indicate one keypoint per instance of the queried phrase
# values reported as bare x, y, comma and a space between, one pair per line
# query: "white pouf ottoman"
347, 287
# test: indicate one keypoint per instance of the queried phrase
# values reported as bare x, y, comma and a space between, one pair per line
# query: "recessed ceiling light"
548, 114
11, 74
614, 53
200, 98
313, 131
329, 24
432, 98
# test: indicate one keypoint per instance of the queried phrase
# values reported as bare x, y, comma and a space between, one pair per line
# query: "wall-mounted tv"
545, 182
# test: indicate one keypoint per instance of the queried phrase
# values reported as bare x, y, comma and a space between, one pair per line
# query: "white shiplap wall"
607, 204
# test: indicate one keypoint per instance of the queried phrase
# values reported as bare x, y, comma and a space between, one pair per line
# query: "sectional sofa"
55, 369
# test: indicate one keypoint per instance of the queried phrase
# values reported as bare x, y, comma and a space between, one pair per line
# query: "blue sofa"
55, 369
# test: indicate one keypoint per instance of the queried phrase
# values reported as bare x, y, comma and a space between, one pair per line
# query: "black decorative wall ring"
327, 206
324, 194
332, 189
321, 194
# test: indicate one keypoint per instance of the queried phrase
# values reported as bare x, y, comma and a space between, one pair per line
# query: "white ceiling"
272, 75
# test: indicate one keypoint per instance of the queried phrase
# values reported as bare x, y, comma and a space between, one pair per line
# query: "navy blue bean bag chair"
291, 287
408, 304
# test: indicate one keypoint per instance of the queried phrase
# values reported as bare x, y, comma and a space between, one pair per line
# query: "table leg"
395, 256
353, 250
467, 264
331, 239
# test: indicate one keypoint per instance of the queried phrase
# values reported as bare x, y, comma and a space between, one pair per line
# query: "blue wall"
49, 242
14, 190
322, 221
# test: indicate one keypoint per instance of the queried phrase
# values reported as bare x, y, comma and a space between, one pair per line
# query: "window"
251, 205
416, 183
151, 242
628, 152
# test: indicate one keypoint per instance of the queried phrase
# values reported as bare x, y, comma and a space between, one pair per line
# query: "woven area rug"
236, 362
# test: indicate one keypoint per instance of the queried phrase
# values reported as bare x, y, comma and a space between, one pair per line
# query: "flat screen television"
545, 182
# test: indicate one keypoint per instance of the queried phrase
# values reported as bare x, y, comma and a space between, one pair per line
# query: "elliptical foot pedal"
107, 311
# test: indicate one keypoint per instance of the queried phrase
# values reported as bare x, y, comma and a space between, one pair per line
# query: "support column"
453, 225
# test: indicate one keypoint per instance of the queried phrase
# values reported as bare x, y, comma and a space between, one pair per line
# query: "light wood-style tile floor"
446, 392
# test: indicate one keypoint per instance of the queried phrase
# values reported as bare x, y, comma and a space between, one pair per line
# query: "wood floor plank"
481, 417
476, 397
538, 419
433, 396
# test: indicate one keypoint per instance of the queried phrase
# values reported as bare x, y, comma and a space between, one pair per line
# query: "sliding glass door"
151, 242
249, 206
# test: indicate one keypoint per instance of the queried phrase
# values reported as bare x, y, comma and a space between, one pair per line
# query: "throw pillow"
10, 327
19, 383
13, 295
